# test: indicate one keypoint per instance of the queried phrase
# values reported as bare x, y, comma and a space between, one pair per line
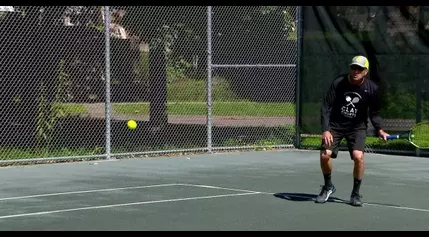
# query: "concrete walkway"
98, 111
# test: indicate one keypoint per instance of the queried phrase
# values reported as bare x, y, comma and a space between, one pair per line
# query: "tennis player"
349, 102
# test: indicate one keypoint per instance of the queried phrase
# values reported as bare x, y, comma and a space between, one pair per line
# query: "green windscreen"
395, 41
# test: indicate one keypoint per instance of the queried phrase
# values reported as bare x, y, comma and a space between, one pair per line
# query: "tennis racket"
418, 135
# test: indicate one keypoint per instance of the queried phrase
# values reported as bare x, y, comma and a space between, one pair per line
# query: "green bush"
372, 142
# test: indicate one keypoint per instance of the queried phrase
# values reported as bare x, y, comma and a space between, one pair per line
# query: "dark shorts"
355, 140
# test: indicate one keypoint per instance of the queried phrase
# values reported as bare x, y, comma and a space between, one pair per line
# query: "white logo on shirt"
349, 109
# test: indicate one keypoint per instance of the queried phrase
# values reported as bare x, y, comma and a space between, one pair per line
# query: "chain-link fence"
52, 61
194, 78
253, 64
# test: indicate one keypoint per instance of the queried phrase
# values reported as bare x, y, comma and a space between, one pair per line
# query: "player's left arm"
374, 114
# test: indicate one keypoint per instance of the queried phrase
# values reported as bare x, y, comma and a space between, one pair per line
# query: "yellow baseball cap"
360, 61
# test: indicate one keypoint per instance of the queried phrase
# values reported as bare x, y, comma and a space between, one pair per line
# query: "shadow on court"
305, 197
272, 190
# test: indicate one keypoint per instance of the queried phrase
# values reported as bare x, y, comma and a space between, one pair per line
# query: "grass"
72, 108
187, 97
219, 108
195, 90
20, 153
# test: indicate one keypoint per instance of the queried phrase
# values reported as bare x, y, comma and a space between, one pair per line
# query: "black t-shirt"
348, 106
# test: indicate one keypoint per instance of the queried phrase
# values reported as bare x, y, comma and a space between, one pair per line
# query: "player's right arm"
327, 104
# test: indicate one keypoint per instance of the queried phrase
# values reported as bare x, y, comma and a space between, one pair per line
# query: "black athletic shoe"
355, 200
325, 193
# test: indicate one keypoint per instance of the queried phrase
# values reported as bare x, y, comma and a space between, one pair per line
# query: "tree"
35, 40
159, 26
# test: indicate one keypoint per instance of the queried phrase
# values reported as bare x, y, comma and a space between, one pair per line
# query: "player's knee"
357, 156
325, 155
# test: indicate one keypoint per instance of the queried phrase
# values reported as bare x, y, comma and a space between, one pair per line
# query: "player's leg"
326, 156
356, 145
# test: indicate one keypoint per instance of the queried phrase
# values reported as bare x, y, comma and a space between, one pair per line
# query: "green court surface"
267, 190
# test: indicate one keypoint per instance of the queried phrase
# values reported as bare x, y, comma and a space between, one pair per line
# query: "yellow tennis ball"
132, 124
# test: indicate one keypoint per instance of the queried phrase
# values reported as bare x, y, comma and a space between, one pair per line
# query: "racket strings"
419, 135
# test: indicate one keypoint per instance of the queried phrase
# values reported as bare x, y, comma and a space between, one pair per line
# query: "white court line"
124, 188
86, 191
298, 196
124, 204
366, 204
184, 184
217, 187
395, 207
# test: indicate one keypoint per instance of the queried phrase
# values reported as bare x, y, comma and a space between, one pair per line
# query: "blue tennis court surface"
270, 190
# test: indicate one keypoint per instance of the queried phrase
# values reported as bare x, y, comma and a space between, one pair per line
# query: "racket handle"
391, 137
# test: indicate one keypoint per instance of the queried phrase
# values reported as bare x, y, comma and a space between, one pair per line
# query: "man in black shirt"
349, 102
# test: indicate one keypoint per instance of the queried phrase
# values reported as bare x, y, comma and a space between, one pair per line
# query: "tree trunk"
158, 87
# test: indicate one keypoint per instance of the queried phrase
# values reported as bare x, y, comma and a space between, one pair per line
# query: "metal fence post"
298, 79
107, 61
209, 78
